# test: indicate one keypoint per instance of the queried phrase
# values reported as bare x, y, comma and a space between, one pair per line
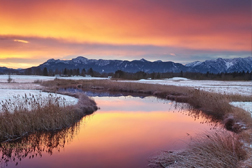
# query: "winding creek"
125, 132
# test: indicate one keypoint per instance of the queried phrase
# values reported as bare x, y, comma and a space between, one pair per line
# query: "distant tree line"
64, 72
119, 74
190, 75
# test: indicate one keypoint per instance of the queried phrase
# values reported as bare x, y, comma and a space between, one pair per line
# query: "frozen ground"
244, 105
27, 86
24, 85
223, 87
18, 96
32, 78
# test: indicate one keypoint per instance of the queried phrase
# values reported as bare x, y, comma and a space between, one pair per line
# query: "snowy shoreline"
223, 87
18, 96
32, 78
243, 88
26, 83
22, 85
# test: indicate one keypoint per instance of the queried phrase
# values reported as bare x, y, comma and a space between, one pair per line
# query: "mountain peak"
143, 60
51, 60
80, 59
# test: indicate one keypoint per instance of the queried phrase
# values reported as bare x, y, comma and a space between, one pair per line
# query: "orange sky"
33, 31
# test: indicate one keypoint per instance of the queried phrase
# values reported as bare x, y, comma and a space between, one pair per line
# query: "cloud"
209, 24
21, 41
40, 50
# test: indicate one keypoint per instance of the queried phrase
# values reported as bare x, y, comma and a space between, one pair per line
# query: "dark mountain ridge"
106, 66
110, 66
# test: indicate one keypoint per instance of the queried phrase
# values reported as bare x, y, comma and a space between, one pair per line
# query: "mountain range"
212, 66
106, 66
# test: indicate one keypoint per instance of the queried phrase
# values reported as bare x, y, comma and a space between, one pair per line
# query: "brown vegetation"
213, 104
222, 149
31, 115
218, 149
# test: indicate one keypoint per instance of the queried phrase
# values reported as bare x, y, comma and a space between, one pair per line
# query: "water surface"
124, 133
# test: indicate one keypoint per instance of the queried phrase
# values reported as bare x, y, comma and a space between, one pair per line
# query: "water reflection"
101, 93
125, 132
35, 145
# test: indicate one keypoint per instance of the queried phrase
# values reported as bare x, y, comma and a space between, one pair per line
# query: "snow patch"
32, 78
223, 87
247, 106
193, 64
229, 64
13, 95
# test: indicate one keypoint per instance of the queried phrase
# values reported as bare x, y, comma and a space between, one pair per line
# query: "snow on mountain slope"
222, 65
212, 66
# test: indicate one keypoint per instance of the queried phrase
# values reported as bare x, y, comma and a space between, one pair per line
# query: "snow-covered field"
223, 87
244, 105
18, 96
24, 85
32, 78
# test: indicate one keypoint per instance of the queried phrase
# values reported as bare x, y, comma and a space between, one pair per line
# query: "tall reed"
25, 115
218, 149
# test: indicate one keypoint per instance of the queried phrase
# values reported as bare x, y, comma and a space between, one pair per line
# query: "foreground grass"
222, 149
39, 114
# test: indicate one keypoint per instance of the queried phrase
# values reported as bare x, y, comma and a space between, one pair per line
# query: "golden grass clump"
26, 114
218, 149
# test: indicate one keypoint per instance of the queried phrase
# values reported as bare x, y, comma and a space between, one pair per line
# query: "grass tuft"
27, 115
218, 149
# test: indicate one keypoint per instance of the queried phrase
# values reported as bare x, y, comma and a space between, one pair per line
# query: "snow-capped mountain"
212, 66
113, 65
222, 65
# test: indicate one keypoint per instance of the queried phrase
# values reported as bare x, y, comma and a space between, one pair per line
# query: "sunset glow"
179, 31
21, 41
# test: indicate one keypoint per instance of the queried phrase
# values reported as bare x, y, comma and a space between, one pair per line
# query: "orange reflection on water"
125, 133
116, 137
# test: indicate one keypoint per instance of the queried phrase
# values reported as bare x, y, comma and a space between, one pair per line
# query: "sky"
33, 31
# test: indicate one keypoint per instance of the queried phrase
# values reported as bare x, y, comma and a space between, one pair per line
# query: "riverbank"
218, 105
26, 115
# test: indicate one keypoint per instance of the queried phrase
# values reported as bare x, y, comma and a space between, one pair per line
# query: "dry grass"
221, 149
214, 104
34, 114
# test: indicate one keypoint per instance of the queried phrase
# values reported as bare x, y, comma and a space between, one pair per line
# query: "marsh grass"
220, 149
29, 114
214, 104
